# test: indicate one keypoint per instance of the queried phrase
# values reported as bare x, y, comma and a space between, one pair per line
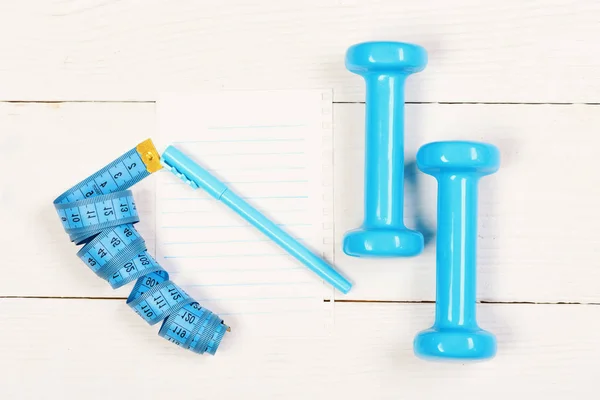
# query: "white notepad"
275, 150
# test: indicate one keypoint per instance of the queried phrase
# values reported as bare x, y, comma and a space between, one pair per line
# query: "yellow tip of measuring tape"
149, 155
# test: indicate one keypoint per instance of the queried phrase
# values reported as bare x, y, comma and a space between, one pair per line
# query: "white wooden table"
524, 75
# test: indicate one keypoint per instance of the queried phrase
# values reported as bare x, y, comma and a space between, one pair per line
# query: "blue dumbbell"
457, 167
384, 66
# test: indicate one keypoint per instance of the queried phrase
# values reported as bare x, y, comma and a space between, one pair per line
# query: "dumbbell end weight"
383, 242
382, 56
458, 157
455, 344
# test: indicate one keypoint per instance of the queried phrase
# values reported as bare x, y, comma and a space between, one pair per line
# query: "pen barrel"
285, 241
198, 177
186, 169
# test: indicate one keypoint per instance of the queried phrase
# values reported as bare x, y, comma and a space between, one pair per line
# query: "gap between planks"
325, 300
478, 302
334, 102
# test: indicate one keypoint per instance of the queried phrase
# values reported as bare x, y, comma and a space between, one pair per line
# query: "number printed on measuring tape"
155, 297
184, 329
99, 213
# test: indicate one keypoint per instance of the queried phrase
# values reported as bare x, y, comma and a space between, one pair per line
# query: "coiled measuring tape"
99, 213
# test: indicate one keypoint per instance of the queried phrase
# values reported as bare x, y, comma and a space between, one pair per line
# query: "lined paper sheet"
274, 150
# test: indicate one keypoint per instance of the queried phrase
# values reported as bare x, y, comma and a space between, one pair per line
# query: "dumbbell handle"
384, 152
456, 250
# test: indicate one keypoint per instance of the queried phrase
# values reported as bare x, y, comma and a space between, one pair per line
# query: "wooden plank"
510, 51
525, 252
76, 349
537, 216
46, 149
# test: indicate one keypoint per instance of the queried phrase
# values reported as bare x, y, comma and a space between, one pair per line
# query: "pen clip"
178, 174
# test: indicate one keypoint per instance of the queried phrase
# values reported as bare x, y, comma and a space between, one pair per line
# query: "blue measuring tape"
99, 213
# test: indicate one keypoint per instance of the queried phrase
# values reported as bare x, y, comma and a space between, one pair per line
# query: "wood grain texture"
509, 51
538, 214
73, 349
538, 240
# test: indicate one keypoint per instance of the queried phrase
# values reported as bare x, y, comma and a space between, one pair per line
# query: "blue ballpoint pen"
198, 177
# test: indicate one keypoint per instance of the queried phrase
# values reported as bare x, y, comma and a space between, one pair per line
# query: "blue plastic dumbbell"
457, 167
384, 66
